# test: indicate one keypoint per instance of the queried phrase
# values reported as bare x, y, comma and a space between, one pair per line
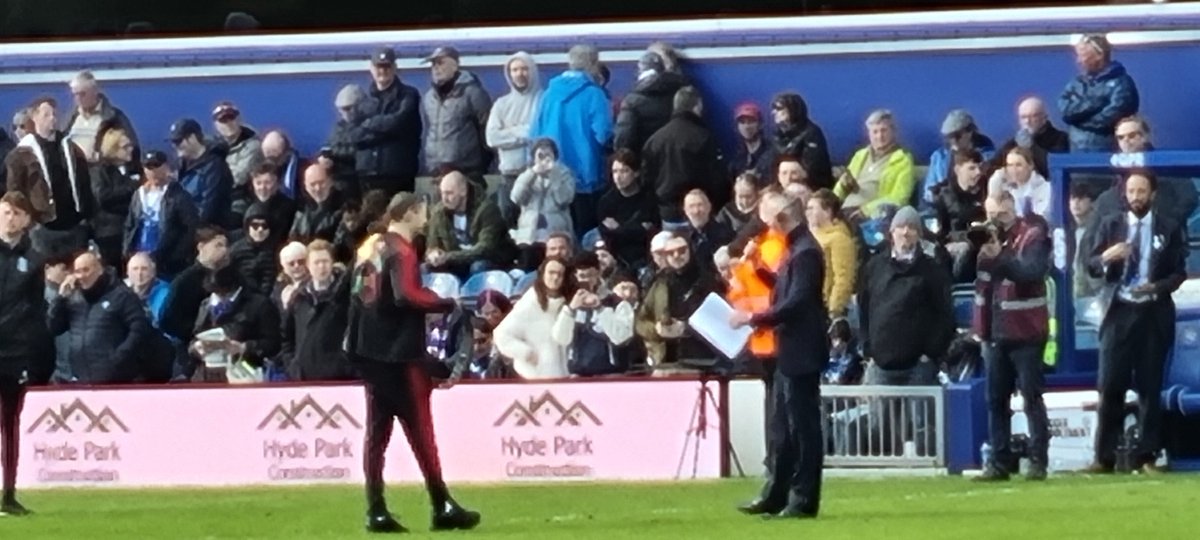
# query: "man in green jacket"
465, 233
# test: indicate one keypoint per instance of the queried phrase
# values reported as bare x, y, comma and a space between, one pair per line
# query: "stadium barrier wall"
280, 435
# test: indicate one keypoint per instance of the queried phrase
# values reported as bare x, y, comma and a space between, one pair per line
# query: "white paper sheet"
711, 322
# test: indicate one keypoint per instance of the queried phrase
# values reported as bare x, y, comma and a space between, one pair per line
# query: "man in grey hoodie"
455, 110
508, 126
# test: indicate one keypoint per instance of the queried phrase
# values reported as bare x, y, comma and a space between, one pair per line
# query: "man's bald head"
453, 190
317, 182
88, 269
1031, 113
274, 145
140, 270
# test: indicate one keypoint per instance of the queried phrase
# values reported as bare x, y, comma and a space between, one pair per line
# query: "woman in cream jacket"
525, 334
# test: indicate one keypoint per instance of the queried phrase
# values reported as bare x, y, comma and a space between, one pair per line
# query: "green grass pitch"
1065, 507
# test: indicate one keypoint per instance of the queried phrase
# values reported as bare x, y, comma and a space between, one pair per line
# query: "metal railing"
884, 426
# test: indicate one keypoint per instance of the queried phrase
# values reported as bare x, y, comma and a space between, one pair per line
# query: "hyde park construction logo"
307, 414
547, 410
77, 417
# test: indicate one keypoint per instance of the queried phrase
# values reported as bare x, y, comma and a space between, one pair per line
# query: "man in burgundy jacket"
386, 340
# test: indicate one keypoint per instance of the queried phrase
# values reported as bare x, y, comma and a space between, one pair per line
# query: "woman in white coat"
1029, 189
525, 334
544, 193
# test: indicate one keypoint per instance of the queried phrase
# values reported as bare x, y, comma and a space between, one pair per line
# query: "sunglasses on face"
677, 252
259, 225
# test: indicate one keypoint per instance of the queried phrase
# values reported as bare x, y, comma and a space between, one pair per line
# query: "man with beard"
796, 135
386, 341
797, 313
508, 127
674, 295
23, 325
1141, 255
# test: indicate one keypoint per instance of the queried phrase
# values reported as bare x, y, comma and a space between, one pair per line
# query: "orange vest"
749, 293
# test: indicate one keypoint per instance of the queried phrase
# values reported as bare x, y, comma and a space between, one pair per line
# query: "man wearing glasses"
386, 129
1098, 97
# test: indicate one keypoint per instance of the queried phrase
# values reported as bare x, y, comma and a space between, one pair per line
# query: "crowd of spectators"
611, 219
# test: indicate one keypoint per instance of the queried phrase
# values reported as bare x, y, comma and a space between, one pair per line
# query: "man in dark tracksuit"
1013, 320
386, 339
1142, 257
798, 315
26, 339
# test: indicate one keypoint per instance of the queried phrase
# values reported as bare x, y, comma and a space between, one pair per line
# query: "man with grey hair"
576, 114
683, 156
1098, 97
93, 115
648, 107
1036, 134
337, 156
798, 317
879, 174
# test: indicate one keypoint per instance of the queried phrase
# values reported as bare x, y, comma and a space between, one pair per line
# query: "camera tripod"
698, 429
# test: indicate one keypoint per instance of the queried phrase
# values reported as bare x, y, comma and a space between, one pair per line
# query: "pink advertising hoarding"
313, 434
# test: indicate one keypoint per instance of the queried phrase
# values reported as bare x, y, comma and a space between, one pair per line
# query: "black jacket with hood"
256, 261
387, 132
804, 140
646, 109
319, 220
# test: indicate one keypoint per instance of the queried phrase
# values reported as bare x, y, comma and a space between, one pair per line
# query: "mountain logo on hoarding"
546, 410
77, 417
308, 414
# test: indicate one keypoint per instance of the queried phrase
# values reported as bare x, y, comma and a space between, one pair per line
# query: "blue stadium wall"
918, 66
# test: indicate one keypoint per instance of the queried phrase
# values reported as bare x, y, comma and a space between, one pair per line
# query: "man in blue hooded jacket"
1098, 97
576, 114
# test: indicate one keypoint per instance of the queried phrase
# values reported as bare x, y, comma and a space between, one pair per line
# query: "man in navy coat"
798, 315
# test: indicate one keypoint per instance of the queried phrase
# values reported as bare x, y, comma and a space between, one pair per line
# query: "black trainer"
13, 508
383, 522
455, 517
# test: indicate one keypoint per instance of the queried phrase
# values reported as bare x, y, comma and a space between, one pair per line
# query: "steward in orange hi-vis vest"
751, 284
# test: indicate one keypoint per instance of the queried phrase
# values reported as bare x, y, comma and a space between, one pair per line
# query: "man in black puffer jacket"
386, 129
315, 325
322, 212
106, 323
648, 107
254, 256
26, 352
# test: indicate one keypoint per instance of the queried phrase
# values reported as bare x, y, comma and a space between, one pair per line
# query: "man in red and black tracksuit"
386, 340
1013, 320
26, 338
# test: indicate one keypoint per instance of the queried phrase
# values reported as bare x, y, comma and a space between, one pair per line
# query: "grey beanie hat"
348, 96
907, 216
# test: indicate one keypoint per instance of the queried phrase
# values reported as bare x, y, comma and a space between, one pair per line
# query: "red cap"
747, 109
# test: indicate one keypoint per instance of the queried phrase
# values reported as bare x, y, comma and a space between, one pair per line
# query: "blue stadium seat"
524, 284
445, 285
496, 280
963, 296
1193, 260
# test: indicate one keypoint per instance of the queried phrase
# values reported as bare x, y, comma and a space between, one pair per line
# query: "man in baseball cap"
383, 56
442, 52
751, 153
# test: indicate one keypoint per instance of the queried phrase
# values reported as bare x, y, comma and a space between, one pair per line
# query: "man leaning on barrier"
1012, 320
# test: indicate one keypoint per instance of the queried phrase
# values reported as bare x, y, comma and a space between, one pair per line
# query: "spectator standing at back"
465, 234
203, 173
509, 124
1176, 197
162, 219
544, 194
1037, 134
753, 151
649, 106
386, 129
798, 136
337, 156
880, 174
576, 115
6, 145
52, 173
1098, 97
106, 322
238, 142
93, 115
113, 184
959, 134
683, 156
455, 110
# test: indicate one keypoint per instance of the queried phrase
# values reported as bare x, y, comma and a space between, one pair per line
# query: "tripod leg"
688, 437
701, 427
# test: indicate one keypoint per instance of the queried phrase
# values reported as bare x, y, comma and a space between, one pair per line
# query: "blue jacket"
157, 300
1091, 105
575, 114
210, 183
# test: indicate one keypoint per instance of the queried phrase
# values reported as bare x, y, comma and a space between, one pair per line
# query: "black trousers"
768, 378
400, 391
1011, 367
12, 400
797, 447
1134, 342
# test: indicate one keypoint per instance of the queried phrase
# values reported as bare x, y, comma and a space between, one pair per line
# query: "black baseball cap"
384, 56
154, 159
184, 128
443, 52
